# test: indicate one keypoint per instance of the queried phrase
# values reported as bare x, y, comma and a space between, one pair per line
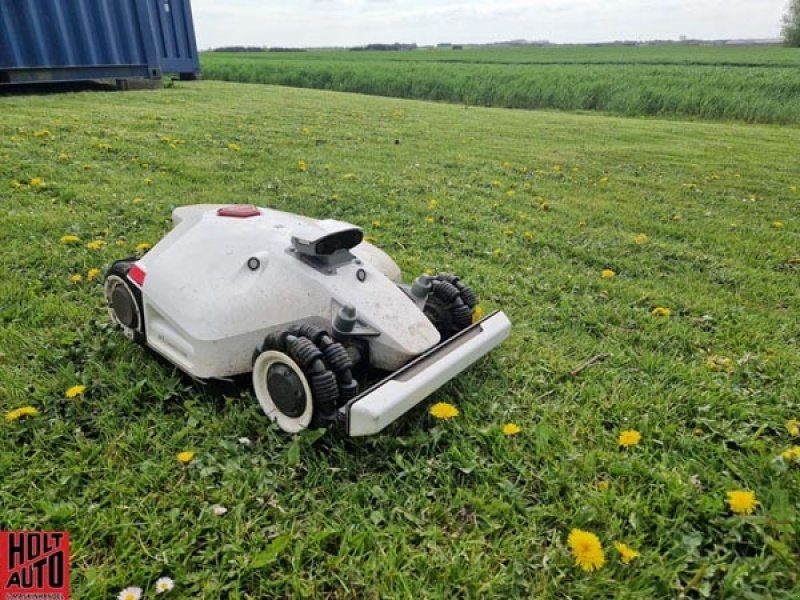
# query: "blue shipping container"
74, 40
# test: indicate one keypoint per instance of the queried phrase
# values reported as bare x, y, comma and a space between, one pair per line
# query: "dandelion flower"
302, 166
789, 455
640, 239
430, 219
497, 253
376, 223
234, 147
137, 200
775, 224
444, 411
432, 204
76, 278
75, 390
603, 485
626, 553
629, 438
164, 584
143, 247
604, 179
130, 593
69, 238
36, 182
92, 273
18, 413
661, 311
719, 363
63, 156
185, 457
477, 313
742, 502
218, 510
586, 549
96, 244
793, 427
528, 235
510, 429
607, 274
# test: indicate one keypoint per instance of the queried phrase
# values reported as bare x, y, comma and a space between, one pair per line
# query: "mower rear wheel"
124, 301
283, 391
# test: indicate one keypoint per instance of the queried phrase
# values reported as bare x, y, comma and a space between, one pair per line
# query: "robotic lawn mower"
301, 303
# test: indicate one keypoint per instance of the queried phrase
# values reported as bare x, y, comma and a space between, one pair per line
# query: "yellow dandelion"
74, 391
234, 147
661, 311
185, 457
92, 273
17, 184
528, 235
742, 502
497, 253
376, 223
629, 438
36, 182
793, 427
511, 429
63, 156
604, 179
477, 313
306, 131
607, 274
720, 364
603, 485
76, 278
586, 549
69, 238
137, 200
119, 243
302, 166
510, 193
42, 133
556, 168
432, 204
641, 239
148, 180
430, 219
775, 224
143, 247
370, 239
18, 413
626, 553
444, 411
791, 454
96, 244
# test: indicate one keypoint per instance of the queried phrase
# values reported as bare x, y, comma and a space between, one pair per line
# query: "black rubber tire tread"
337, 358
469, 296
445, 291
324, 388
311, 332
303, 351
462, 316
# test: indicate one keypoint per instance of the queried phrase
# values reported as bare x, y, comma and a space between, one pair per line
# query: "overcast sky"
356, 22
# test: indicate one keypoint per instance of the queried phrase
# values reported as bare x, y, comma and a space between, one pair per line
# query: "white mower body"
227, 277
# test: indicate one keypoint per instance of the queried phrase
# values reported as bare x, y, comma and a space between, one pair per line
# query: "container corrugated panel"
68, 40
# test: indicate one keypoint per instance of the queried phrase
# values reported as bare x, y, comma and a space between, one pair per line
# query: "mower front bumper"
387, 400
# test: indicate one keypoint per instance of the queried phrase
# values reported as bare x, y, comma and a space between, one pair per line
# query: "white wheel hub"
279, 384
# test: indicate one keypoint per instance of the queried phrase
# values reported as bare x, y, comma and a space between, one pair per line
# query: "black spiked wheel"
326, 365
450, 305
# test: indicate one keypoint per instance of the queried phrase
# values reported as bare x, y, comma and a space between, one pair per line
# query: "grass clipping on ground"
670, 250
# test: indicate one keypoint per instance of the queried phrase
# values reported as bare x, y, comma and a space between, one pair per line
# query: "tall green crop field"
746, 84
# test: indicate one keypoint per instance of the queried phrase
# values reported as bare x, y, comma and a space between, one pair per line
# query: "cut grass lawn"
530, 207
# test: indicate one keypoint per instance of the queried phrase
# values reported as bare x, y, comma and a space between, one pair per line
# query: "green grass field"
530, 207
746, 84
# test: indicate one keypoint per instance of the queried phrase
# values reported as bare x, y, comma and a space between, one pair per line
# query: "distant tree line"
256, 49
384, 47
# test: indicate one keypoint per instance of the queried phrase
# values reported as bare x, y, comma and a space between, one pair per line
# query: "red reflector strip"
136, 275
240, 211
